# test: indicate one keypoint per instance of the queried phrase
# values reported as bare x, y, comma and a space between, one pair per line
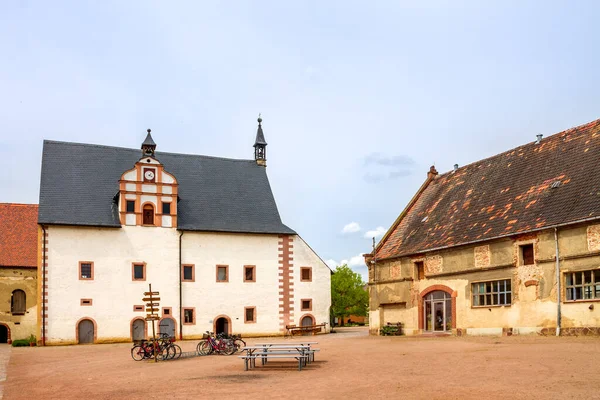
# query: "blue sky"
358, 98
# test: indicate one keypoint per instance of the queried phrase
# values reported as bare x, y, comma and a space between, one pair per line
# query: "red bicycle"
218, 345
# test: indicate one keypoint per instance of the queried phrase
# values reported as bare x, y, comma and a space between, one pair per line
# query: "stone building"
204, 231
506, 245
18, 271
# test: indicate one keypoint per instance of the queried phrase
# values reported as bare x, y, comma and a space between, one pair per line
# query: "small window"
306, 274
86, 270
249, 271
222, 273
86, 302
18, 302
583, 285
188, 316
492, 293
138, 308
419, 265
188, 273
148, 215
527, 254
166, 208
249, 314
166, 311
139, 272
306, 304
130, 206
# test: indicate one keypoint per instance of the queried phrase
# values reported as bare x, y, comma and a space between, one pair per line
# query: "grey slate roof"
80, 182
260, 137
148, 141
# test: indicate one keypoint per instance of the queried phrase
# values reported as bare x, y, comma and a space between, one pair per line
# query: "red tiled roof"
18, 235
506, 194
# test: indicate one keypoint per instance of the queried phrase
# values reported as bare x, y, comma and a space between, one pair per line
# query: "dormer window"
148, 214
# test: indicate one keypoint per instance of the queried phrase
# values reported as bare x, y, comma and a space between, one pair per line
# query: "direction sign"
152, 304
151, 293
152, 299
152, 316
151, 310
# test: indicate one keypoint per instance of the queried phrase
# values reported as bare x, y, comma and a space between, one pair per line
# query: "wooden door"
137, 329
167, 326
86, 331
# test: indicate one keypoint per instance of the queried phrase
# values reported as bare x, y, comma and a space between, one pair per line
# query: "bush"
20, 343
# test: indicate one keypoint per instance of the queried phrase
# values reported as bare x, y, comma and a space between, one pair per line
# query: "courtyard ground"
349, 365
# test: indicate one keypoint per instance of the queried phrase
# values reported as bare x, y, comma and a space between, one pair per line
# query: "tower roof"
148, 141
260, 136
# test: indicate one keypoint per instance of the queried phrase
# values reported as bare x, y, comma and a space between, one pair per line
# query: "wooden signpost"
152, 307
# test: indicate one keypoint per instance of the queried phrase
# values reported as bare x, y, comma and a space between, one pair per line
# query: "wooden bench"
303, 359
292, 330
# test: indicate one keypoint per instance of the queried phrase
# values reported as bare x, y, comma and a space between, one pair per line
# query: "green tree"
348, 296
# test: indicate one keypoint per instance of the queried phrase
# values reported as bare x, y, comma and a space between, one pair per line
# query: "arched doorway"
307, 320
222, 324
86, 331
167, 325
138, 329
437, 311
4, 334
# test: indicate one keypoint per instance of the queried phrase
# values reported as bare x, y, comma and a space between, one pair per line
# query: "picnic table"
265, 351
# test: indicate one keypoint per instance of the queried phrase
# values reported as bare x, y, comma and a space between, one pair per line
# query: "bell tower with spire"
260, 145
148, 146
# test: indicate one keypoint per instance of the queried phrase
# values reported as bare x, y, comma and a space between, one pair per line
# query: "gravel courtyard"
349, 365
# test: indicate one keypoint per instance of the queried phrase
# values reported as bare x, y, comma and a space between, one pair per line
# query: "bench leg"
245, 364
299, 363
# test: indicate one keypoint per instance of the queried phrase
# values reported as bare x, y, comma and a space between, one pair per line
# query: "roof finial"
148, 130
259, 119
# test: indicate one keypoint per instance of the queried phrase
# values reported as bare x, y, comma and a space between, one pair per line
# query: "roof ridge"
137, 151
553, 136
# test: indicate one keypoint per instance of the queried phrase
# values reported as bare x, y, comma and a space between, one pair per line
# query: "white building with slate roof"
204, 231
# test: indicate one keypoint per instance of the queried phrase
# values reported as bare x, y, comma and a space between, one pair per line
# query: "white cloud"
356, 261
351, 227
331, 263
376, 233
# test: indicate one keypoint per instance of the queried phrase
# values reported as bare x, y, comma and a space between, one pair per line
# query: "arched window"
148, 214
18, 303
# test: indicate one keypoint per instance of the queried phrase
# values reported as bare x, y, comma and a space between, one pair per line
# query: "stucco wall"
11, 279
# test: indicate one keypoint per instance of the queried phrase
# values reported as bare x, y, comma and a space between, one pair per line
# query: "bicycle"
218, 345
238, 342
173, 351
145, 350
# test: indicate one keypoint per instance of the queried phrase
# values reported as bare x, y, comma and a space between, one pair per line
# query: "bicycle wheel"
227, 347
176, 351
239, 344
205, 348
138, 353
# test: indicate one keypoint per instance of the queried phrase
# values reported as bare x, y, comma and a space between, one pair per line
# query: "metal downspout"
43, 285
180, 290
558, 287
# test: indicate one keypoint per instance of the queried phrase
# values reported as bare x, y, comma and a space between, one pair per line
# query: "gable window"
222, 273
420, 270
492, 293
18, 302
138, 271
130, 206
305, 274
249, 314
583, 285
166, 208
86, 270
188, 273
527, 254
148, 214
249, 273
306, 305
188, 316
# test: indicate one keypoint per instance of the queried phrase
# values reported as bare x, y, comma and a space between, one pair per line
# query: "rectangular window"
249, 315
527, 254
188, 316
138, 271
492, 293
249, 273
305, 274
222, 273
166, 311
583, 285
420, 273
130, 206
86, 270
166, 208
188, 273
86, 302
138, 308
306, 304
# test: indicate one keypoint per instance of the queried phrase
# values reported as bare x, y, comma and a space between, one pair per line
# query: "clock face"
149, 175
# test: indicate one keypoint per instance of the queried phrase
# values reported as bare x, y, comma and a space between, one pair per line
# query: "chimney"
455, 167
432, 172
539, 138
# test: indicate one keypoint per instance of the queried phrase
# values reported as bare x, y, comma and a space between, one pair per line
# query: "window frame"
162, 208
492, 293
91, 271
183, 316
522, 253
302, 269
127, 202
309, 308
419, 270
133, 265
253, 320
226, 273
151, 205
253, 268
183, 267
167, 312
12, 303
138, 308
593, 285
86, 302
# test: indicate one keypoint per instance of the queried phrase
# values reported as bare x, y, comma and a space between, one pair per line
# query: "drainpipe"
180, 292
43, 283
558, 310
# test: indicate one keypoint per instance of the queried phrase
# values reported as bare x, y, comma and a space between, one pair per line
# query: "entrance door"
137, 330
439, 317
167, 326
3, 334
307, 321
222, 326
437, 312
86, 331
